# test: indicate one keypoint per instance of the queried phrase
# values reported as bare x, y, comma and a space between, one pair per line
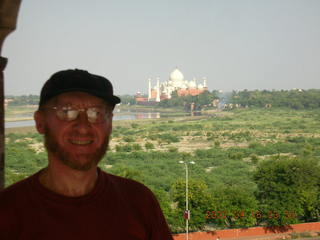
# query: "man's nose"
82, 122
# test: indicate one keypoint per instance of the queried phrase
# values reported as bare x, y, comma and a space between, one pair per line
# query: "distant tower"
168, 93
149, 89
158, 91
204, 82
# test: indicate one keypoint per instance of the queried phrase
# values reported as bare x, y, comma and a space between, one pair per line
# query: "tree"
128, 172
127, 99
288, 190
233, 207
199, 202
296, 99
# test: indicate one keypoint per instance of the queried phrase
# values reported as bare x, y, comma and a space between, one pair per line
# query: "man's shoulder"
15, 192
142, 204
130, 188
126, 183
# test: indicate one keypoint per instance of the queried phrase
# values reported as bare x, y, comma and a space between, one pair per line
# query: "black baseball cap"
78, 80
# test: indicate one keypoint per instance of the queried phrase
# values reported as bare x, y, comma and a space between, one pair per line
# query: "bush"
235, 155
134, 125
149, 146
254, 158
136, 147
166, 137
128, 139
124, 148
172, 149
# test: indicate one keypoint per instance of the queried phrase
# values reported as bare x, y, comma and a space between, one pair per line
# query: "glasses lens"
72, 114
67, 113
94, 114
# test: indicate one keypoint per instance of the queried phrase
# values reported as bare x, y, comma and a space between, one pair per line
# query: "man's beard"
71, 159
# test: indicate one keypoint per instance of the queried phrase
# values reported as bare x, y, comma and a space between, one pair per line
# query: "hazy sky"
236, 44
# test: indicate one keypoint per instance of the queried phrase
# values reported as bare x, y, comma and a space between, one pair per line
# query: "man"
72, 198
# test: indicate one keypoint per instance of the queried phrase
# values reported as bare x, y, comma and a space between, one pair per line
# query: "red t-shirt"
116, 209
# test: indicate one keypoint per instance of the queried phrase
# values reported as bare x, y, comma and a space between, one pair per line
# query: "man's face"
78, 144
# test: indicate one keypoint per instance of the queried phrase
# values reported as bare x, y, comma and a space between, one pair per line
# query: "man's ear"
110, 123
39, 119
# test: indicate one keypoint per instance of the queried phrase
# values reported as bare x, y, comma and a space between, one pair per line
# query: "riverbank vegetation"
24, 106
295, 99
253, 166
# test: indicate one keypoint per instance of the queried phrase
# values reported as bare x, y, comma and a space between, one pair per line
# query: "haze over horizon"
236, 45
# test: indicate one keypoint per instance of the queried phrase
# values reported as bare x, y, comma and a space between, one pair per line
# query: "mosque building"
176, 82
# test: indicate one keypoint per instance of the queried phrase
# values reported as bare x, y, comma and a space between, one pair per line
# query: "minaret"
204, 82
195, 81
149, 89
158, 91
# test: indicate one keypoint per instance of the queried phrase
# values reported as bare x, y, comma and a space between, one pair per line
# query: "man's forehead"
78, 98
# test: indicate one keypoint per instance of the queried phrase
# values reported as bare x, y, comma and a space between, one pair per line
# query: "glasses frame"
108, 113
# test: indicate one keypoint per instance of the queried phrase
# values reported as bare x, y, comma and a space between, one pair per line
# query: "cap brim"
110, 99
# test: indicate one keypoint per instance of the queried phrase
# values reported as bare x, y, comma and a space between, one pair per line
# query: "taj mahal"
176, 82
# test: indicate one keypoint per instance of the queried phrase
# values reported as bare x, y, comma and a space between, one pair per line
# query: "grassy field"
223, 129
273, 131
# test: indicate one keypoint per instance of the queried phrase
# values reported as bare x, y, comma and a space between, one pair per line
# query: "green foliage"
236, 155
23, 100
127, 99
165, 137
134, 125
199, 201
14, 176
289, 186
295, 99
21, 160
124, 148
128, 147
149, 145
173, 149
232, 207
127, 172
216, 143
201, 100
164, 200
136, 147
254, 158
128, 139
250, 137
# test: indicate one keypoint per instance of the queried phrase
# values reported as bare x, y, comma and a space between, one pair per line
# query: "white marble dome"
176, 75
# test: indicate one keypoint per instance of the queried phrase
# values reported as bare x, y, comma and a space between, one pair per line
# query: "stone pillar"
204, 82
149, 89
158, 91
8, 19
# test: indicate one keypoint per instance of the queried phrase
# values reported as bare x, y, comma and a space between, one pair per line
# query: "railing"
258, 232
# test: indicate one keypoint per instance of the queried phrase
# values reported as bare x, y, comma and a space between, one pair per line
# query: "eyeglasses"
94, 114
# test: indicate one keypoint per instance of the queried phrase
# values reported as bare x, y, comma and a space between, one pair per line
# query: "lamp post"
187, 211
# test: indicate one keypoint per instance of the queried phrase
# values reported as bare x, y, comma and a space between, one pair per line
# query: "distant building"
177, 83
6, 102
